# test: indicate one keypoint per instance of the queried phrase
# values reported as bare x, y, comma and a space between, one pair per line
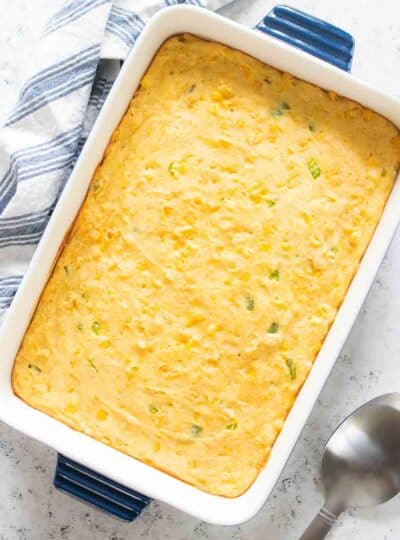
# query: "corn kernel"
71, 408
101, 415
315, 242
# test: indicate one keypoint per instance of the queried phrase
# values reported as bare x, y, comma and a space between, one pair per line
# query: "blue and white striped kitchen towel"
56, 107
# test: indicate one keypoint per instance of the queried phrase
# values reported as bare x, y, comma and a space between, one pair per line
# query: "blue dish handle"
316, 37
97, 490
310, 34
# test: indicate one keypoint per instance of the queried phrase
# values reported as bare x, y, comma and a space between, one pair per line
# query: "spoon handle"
320, 525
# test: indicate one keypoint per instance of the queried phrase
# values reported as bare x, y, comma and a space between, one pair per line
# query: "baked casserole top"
217, 241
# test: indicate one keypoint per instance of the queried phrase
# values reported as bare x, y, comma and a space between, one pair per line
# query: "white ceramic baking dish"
99, 457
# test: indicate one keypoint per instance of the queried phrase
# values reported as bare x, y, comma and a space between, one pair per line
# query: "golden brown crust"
218, 239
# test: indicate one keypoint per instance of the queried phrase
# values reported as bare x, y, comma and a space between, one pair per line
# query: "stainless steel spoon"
361, 462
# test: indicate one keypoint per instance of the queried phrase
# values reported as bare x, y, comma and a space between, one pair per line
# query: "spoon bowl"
361, 462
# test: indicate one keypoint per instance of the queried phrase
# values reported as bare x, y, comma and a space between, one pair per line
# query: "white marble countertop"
369, 365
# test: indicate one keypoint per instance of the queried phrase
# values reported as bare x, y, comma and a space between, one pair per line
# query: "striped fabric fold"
125, 25
99, 93
8, 288
70, 12
191, 2
27, 229
73, 69
38, 160
57, 81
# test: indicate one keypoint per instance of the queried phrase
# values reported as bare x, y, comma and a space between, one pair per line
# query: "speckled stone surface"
369, 365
